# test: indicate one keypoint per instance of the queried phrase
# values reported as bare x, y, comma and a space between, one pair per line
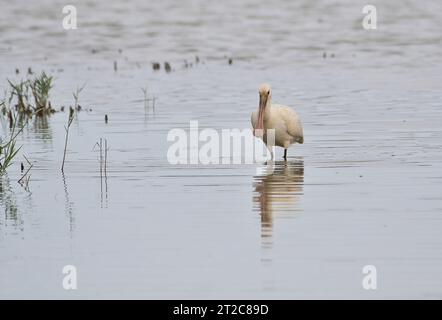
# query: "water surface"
364, 189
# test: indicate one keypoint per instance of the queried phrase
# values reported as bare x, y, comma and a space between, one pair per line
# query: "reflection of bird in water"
277, 191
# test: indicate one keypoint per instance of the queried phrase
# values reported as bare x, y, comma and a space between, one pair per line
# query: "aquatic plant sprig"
148, 99
20, 90
70, 120
3, 107
103, 164
41, 87
8, 150
26, 177
76, 95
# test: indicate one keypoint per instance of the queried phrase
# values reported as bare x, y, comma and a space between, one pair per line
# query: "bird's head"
264, 90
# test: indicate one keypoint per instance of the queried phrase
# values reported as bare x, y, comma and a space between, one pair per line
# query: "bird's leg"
285, 154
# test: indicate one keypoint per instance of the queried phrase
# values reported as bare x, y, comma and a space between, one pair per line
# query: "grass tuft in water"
19, 93
8, 149
41, 86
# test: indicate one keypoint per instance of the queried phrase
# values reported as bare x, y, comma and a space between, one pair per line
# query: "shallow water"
364, 189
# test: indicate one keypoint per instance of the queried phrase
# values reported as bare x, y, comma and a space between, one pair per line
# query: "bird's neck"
268, 108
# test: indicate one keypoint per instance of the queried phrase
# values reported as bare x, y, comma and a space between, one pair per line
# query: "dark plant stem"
71, 118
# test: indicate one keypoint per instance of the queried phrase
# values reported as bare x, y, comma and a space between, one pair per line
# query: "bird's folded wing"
294, 125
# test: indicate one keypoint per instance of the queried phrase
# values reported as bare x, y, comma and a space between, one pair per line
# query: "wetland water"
364, 189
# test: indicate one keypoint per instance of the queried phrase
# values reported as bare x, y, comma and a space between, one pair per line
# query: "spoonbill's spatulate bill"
284, 120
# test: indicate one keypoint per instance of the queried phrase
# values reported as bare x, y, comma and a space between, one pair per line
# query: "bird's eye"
268, 92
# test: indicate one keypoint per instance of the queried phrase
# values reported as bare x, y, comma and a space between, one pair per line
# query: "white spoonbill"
284, 120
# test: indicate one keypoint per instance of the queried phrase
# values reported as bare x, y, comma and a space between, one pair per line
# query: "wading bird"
284, 120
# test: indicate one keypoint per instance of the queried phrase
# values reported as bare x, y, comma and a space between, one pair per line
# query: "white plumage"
284, 120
